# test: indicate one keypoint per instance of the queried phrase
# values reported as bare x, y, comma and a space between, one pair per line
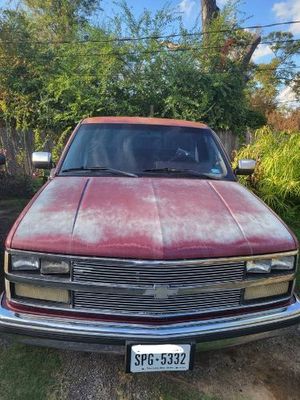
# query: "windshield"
144, 150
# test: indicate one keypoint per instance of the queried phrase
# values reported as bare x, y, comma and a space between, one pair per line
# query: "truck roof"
143, 121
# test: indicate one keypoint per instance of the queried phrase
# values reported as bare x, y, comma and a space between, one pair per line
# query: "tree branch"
250, 50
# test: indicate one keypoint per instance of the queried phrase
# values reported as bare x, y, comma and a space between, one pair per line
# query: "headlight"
269, 265
283, 263
20, 262
54, 267
24, 263
259, 266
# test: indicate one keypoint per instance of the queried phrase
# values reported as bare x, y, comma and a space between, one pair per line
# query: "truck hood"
149, 218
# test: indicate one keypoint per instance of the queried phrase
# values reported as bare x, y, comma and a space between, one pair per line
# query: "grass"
296, 229
27, 373
183, 392
277, 175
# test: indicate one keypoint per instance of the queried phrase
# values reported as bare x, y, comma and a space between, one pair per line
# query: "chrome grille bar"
149, 275
133, 305
159, 299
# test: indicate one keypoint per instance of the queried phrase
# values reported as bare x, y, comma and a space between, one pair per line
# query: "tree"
60, 17
210, 13
57, 67
269, 78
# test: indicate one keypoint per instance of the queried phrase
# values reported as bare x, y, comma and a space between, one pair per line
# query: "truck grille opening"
162, 280
130, 304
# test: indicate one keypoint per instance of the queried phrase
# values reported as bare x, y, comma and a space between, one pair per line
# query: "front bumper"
88, 335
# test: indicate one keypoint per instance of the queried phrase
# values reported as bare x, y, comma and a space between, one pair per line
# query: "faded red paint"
149, 218
143, 121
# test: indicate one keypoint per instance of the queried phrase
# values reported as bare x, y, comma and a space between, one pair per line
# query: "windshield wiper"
112, 170
192, 172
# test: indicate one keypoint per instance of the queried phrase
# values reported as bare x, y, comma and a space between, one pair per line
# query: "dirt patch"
265, 370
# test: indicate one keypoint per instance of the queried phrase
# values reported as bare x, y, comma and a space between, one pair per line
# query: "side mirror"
245, 167
2, 159
42, 160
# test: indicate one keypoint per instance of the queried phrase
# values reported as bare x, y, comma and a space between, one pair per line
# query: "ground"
266, 370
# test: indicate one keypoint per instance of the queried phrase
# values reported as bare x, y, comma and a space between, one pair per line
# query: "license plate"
158, 357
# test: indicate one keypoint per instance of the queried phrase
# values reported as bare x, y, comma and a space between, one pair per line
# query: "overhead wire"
155, 37
168, 50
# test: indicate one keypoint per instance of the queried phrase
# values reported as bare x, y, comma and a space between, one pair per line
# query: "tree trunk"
28, 149
9, 147
210, 10
250, 50
16, 143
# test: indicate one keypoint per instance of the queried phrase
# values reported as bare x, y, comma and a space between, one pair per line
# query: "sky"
256, 12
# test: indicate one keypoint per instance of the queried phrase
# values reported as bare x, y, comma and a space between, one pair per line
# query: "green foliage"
277, 176
60, 18
23, 186
50, 86
51, 76
27, 372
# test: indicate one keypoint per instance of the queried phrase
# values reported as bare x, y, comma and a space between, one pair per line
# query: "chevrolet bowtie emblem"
163, 291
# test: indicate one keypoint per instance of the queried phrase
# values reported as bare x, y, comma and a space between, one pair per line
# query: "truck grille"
130, 304
154, 274
143, 275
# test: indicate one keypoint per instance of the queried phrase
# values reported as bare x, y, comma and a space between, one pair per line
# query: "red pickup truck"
143, 242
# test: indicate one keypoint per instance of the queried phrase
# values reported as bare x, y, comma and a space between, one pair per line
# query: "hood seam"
159, 219
232, 215
79, 205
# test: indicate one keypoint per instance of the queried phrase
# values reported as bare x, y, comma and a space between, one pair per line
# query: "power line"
154, 37
167, 51
194, 48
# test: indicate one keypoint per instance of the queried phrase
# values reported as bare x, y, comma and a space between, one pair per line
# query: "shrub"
277, 176
22, 186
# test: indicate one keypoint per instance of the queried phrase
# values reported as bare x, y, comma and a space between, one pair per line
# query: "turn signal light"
258, 292
41, 293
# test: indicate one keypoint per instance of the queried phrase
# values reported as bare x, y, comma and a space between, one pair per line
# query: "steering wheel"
182, 155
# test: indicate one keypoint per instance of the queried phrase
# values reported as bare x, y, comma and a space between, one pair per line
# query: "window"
138, 148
